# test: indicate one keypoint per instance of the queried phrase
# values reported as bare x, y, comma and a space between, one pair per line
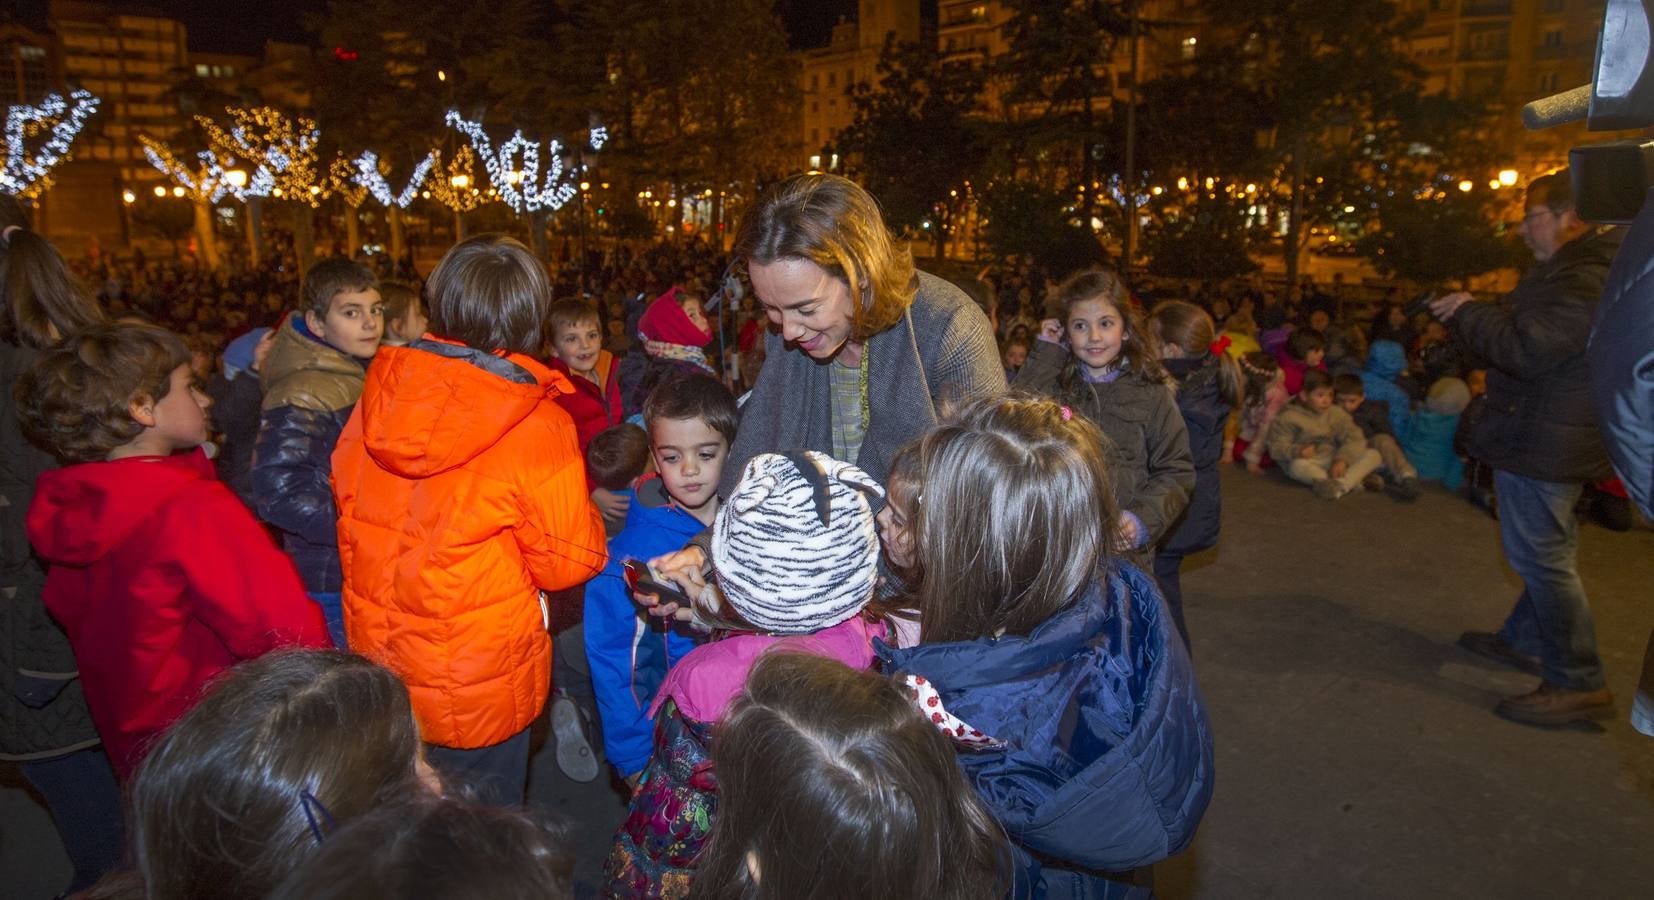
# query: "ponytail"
44, 301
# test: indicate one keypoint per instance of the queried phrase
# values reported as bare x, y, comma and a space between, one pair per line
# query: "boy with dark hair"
1373, 418
312, 379
159, 575
691, 424
1319, 444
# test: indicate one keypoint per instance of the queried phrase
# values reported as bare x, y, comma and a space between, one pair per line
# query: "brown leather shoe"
1489, 645
1554, 706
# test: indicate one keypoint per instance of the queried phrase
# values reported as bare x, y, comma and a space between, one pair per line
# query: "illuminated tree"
283, 150
204, 182
26, 172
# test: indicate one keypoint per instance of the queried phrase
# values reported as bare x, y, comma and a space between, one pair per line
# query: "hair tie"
6, 233
1218, 346
1067, 414
310, 805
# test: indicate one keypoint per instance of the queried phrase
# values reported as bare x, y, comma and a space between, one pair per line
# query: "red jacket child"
161, 578
592, 408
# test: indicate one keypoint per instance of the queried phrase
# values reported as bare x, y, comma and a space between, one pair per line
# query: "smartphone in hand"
641, 579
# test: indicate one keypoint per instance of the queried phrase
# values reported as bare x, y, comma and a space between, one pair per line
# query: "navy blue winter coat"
310, 389
1108, 759
1200, 400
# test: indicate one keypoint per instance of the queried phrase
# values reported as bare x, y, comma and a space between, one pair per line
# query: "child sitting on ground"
1387, 362
159, 575
1266, 396
1429, 440
1373, 418
845, 748
1305, 349
691, 424
312, 380
1317, 443
1051, 664
795, 551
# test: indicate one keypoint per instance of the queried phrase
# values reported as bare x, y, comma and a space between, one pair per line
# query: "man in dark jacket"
1539, 434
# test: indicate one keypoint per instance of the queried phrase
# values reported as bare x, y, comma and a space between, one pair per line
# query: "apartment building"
851, 56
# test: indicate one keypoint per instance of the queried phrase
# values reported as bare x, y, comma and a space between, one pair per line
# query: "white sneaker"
574, 749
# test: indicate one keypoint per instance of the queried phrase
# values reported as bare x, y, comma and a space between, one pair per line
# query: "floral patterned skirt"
670, 816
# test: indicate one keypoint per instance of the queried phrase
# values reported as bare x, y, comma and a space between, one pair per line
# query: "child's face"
180, 418
690, 457
1435, 332
413, 323
1319, 320
577, 345
1477, 381
1096, 331
1015, 356
354, 322
1313, 358
1398, 317
893, 525
696, 311
1319, 399
617, 327
1350, 402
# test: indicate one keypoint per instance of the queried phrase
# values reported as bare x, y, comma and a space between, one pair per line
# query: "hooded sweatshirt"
162, 579
1386, 360
462, 496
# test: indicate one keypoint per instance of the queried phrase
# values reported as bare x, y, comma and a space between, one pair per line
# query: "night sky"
218, 27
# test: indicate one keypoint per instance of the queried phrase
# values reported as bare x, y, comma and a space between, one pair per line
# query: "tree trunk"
537, 236
353, 231
459, 226
255, 229
304, 236
1295, 222
399, 244
204, 235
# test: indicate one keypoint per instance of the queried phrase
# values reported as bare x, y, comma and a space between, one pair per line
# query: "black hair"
693, 397
333, 276
1348, 384
1315, 379
1304, 341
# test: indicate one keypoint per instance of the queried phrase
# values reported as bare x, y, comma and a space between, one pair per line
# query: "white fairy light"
518, 185
24, 174
599, 137
368, 176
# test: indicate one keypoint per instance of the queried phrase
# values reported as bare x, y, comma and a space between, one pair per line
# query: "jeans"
1310, 471
1168, 572
85, 802
333, 611
496, 775
1552, 619
1395, 461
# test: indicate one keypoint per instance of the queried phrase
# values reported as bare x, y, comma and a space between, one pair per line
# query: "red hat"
666, 321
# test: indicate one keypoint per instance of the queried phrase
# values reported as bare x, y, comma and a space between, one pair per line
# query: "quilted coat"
1205, 413
1540, 421
162, 579
462, 496
309, 391
1108, 758
592, 408
42, 707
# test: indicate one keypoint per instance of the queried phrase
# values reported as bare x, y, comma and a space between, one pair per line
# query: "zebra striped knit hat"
795, 547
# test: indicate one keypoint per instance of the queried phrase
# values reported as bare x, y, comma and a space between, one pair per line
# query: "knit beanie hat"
795, 547
238, 356
665, 321
1448, 397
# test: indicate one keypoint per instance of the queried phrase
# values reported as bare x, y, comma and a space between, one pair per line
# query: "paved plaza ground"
1357, 754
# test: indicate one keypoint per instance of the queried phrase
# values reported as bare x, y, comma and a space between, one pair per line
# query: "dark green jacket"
42, 711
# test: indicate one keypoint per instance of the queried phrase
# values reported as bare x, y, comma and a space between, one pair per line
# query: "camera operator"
1539, 434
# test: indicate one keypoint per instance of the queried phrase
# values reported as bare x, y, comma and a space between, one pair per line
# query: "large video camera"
1612, 183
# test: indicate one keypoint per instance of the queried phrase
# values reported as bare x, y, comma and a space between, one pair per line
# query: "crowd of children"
920, 688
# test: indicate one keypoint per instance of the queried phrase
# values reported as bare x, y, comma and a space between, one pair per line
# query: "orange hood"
434, 405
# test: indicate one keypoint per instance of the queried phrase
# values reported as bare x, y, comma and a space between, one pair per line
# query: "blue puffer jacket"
310, 389
1385, 361
629, 652
1200, 400
1108, 763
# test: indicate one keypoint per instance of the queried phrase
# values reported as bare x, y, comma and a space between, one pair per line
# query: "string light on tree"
26, 174
283, 147
599, 137
451, 183
209, 179
341, 182
519, 185
370, 176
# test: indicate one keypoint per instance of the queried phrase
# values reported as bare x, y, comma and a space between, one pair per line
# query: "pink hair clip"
1067, 414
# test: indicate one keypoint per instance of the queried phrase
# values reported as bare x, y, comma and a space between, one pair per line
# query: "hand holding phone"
642, 579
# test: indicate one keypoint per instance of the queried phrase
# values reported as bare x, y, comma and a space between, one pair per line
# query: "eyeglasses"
1543, 210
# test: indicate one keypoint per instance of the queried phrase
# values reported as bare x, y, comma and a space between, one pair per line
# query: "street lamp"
160, 191
178, 191
1466, 185
128, 197
237, 178
460, 182
1507, 177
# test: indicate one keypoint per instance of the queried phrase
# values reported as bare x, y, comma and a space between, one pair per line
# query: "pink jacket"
712, 675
